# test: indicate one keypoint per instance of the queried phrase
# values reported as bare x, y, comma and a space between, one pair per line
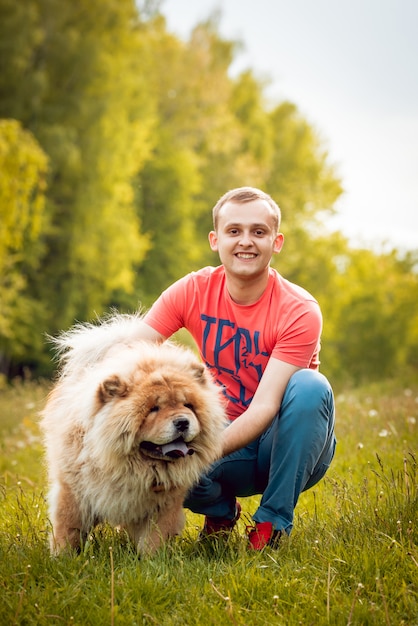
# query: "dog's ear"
199, 372
111, 387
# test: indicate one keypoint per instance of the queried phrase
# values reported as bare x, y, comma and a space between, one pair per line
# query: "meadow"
352, 558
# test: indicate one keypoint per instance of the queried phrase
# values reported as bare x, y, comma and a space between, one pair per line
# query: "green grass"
351, 559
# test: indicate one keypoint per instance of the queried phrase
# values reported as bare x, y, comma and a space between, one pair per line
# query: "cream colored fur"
115, 392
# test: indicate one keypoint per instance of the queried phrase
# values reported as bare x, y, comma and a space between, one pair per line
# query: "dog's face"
159, 414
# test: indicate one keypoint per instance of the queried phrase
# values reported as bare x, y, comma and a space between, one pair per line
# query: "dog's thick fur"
116, 404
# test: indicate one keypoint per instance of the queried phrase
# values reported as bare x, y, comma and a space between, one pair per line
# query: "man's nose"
245, 239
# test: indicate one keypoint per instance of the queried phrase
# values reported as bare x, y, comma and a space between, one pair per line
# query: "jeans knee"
311, 379
309, 390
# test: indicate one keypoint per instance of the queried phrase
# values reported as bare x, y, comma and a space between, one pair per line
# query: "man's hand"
264, 406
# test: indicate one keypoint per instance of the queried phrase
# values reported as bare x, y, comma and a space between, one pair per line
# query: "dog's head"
155, 413
160, 405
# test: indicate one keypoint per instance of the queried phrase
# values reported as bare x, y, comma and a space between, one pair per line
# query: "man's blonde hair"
241, 195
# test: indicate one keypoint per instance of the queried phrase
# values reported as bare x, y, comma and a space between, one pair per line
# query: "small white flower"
384, 433
411, 420
373, 413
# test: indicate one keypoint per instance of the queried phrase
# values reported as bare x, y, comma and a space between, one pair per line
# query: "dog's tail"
86, 343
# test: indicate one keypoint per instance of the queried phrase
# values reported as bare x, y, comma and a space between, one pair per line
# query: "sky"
351, 67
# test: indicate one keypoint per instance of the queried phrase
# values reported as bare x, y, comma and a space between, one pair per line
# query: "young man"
260, 336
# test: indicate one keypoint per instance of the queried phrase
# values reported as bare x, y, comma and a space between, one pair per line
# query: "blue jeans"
291, 456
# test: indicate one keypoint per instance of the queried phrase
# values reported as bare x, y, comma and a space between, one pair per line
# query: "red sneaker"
262, 535
218, 525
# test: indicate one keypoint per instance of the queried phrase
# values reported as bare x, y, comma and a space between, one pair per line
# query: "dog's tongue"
176, 449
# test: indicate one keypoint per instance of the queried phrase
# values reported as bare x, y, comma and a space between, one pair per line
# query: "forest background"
117, 138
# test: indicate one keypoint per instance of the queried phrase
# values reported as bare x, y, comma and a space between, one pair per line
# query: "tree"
23, 168
373, 318
142, 133
89, 111
191, 88
22, 76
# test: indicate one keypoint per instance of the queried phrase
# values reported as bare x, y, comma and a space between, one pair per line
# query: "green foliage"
142, 133
23, 168
191, 87
169, 224
21, 79
352, 557
255, 124
374, 319
89, 117
300, 174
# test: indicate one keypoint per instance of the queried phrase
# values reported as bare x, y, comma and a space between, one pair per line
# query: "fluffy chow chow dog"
128, 427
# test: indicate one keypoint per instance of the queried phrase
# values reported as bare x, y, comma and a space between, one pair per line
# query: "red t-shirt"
236, 341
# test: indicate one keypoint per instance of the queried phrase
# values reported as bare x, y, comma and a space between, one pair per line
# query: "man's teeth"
242, 255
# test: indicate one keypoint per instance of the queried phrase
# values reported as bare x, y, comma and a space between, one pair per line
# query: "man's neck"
246, 291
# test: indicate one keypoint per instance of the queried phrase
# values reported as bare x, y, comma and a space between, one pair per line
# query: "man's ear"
278, 242
213, 241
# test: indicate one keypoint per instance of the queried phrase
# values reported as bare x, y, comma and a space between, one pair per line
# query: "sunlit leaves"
23, 168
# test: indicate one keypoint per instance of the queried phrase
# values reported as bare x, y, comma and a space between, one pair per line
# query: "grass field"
351, 559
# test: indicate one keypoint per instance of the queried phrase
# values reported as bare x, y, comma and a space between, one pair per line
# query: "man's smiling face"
246, 238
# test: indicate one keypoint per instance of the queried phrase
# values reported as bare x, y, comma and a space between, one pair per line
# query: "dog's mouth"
176, 449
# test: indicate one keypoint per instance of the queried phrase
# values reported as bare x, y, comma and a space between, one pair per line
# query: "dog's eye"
154, 409
189, 406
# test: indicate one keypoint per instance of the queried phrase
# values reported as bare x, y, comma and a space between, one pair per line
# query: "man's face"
246, 238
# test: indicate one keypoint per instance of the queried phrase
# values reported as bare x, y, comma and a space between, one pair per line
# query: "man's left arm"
264, 406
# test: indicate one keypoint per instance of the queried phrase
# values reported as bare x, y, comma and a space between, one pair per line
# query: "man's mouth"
245, 255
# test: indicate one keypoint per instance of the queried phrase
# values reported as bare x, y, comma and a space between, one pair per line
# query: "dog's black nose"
182, 424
